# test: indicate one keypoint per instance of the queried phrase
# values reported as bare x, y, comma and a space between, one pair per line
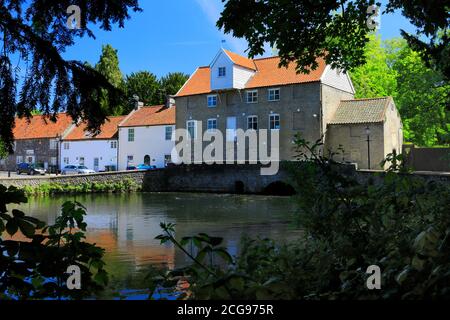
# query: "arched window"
147, 160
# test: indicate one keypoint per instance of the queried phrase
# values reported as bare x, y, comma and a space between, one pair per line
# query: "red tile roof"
107, 131
150, 116
268, 74
240, 60
40, 127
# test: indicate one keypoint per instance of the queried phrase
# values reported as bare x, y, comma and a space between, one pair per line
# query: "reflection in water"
126, 225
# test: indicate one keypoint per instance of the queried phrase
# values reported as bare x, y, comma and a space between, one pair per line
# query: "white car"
71, 169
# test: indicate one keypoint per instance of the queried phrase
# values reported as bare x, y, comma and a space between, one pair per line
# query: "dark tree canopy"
303, 30
33, 74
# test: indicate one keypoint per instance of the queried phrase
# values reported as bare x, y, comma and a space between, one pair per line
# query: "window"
81, 161
130, 160
113, 144
274, 122
252, 96
191, 128
66, 146
273, 94
130, 135
19, 159
169, 130
212, 100
66, 160
53, 144
167, 159
212, 124
53, 161
222, 71
252, 122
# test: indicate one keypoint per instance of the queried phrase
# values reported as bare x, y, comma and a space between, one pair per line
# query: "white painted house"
98, 153
146, 136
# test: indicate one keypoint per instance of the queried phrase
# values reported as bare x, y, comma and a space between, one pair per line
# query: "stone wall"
204, 178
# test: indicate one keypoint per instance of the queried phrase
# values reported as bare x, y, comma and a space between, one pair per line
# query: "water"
126, 227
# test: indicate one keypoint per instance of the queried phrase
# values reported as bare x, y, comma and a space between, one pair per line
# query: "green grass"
124, 186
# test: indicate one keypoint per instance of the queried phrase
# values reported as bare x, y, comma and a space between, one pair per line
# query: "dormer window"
212, 100
222, 71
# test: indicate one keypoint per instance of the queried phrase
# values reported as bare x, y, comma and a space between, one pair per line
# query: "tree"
3, 150
335, 30
375, 78
145, 85
33, 36
108, 66
420, 93
171, 84
422, 96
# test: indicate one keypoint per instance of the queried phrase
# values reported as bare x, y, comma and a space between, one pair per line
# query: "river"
126, 225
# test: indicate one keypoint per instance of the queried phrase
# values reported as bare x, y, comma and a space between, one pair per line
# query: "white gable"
235, 76
337, 79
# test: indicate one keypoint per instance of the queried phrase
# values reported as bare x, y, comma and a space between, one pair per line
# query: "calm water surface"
126, 226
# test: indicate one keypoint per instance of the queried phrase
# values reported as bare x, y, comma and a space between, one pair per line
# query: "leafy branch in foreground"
397, 221
34, 257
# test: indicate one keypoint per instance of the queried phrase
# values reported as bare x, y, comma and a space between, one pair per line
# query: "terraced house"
37, 141
97, 152
236, 92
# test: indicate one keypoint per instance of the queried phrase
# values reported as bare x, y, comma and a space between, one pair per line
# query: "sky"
179, 35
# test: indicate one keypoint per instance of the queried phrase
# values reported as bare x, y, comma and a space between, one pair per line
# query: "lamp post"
368, 146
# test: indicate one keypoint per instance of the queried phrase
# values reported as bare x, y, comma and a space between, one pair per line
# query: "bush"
401, 225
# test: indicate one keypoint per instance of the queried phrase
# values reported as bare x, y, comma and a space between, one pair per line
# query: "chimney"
170, 101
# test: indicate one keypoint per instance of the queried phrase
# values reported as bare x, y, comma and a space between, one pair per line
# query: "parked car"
30, 169
71, 169
84, 170
145, 167
131, 168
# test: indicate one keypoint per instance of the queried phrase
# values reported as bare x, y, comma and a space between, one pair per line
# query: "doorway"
147, 160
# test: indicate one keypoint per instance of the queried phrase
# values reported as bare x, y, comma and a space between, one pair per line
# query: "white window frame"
270, 121
166, 132
167, 159
66, 146
211, 100
252, 117
273, 91
221, 74
113, 144
66, 160
131, 133
53, 144
253, 94
19, 158
194, 122
212, 120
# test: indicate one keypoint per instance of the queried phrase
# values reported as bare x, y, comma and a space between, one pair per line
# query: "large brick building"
235, 92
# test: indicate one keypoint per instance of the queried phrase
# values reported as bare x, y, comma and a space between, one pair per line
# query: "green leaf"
12, 227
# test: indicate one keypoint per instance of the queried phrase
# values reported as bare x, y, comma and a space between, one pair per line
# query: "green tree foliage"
421, 94
336, 30
375, 78
145, 85
3, 150
171, 83
396, 221
38, 34
34, 262
108, 66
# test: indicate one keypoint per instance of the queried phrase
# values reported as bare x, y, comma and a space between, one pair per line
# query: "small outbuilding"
364, 131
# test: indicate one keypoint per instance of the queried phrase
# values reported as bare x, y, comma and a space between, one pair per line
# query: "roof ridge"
363, 99
265, 58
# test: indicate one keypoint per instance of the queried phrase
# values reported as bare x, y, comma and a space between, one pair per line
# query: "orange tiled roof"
268, 74
150, 116
41, 127
107, 131
240, 60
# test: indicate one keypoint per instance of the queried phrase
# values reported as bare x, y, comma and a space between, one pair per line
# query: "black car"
29, 169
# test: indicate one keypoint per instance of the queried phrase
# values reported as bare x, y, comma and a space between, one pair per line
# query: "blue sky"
178, 35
